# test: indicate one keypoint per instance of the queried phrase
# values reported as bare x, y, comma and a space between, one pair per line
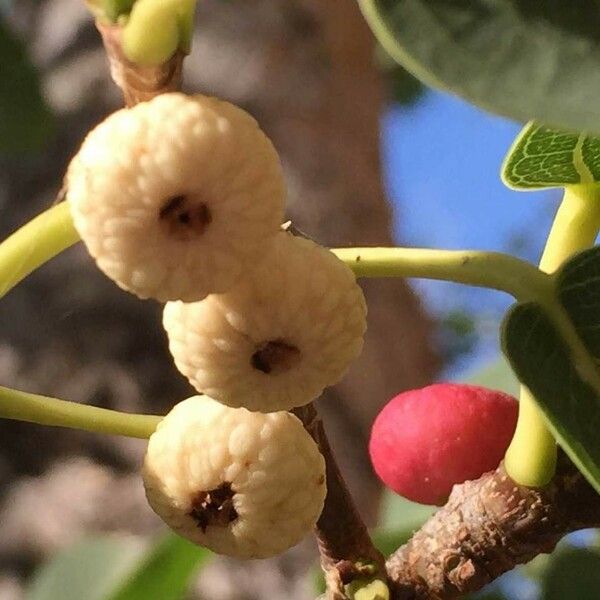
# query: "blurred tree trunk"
305, 69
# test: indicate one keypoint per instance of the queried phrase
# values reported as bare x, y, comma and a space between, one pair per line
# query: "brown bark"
488, 527
138, 83
345, 547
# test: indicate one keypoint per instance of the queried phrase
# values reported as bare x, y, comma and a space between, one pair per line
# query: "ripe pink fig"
427, 440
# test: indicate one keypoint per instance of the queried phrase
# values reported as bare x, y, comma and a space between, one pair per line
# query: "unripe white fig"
175, 197
289, 328
244, 484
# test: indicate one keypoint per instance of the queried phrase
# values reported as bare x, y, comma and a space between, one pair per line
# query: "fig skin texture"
425, 441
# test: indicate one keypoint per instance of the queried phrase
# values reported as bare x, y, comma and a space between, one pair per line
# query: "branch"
347, 552
138, 83
488, 527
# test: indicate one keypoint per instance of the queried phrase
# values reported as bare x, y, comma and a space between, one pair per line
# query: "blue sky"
442, 159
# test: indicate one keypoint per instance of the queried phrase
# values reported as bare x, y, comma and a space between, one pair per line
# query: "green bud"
156, 29
362, 589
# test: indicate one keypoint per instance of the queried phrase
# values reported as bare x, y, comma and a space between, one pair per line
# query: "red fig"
425, 441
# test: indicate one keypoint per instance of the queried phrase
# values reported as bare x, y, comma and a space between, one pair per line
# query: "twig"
488, 527
139, 83
347, 552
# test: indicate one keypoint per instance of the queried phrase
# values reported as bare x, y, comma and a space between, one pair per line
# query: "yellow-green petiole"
35, 243
32, 408
531, 457
492, 270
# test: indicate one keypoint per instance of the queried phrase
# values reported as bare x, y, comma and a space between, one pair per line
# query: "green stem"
44, 237
52, 232
531, 457
34, 244
22, 406
483, 269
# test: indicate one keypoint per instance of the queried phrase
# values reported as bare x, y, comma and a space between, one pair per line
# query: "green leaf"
25, 119
110, 568
573, 574
542, 361
389, 540
496, 376
165, 572
91, 569
536, 568
397, 513
542, 157
519, 58
404, 89
578, 285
